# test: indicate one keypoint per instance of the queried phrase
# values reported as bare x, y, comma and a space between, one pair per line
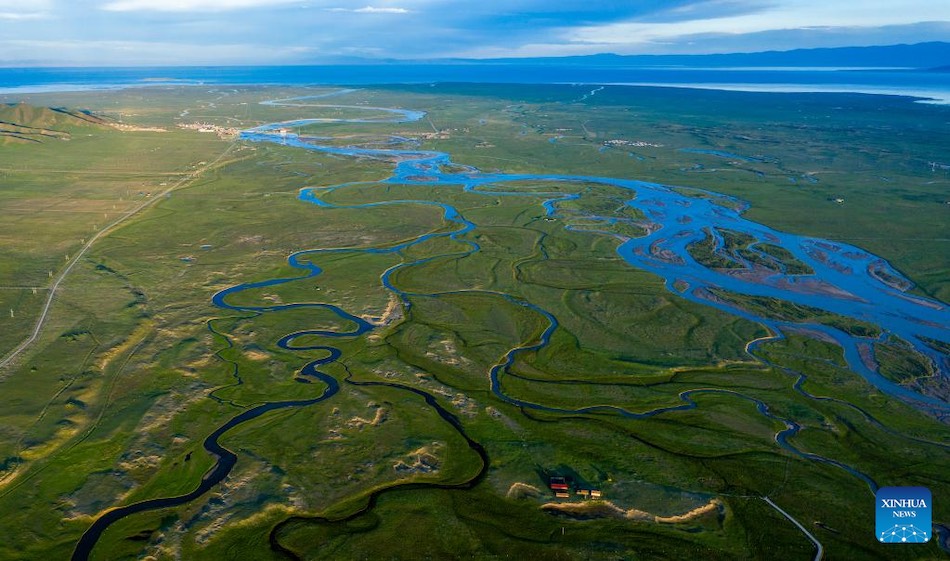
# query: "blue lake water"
934, 85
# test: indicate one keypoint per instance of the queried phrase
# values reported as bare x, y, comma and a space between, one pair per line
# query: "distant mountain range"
933, 55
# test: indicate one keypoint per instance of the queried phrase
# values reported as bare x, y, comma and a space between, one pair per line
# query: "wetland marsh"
441, 304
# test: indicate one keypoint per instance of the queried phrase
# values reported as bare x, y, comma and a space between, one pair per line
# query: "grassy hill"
24, 123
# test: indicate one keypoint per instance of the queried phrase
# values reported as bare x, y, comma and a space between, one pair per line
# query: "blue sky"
160, 32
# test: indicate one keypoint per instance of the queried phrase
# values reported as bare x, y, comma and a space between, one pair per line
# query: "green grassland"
135, 367
872, 152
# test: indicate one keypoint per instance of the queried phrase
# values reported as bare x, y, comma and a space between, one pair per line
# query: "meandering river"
846, 281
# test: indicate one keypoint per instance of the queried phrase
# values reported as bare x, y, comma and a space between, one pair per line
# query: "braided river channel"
842, 279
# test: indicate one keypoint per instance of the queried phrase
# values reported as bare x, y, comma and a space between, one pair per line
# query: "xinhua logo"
903, 515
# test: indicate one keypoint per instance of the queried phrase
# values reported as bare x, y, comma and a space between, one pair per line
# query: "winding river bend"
844, 280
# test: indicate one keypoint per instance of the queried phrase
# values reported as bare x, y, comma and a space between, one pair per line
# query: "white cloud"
190, 5
370, 10
16, 16
21, 6
801, 14
482, 28
144, 53
19, 10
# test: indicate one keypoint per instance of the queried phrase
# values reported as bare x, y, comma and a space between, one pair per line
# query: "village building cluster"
561, 487
636, 143
222, 132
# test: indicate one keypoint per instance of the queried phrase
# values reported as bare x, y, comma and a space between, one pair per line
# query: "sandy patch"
607, 509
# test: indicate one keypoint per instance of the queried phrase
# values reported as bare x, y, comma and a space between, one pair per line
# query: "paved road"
41, 320
820, 549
